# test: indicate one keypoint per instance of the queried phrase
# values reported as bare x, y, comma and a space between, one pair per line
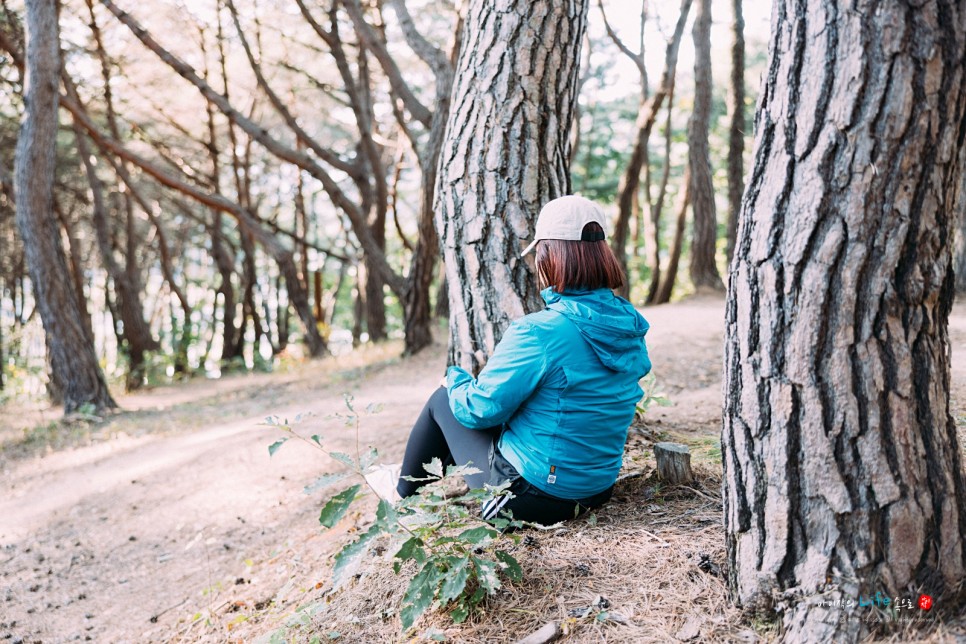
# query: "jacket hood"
609, 324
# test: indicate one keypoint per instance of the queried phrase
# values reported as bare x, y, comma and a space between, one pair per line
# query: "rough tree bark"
704, 270
843, 475
736, 129
505, 154
71, 351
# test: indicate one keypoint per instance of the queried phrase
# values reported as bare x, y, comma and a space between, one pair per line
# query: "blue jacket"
565, 383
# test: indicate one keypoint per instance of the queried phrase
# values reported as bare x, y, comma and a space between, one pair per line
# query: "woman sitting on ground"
550, 410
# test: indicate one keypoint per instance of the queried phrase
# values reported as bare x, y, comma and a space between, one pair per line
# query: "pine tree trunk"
418, 313
843, 474
137, 333
71, 350
736, 130
959, 233
504, 155
704, 270
628, 199
663, 295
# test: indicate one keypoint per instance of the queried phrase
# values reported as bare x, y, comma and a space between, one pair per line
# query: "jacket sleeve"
510, 376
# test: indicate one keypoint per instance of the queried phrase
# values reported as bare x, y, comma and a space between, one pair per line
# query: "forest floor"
170, 522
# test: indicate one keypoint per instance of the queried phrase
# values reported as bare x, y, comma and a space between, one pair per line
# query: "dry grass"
654, 553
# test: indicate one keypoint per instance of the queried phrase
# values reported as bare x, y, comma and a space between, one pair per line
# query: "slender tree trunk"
657, 208
663, 295
504, 155
137, 333
736, 130
417, 305
71, 349
843, 474
359, 305
704, 270
630, 181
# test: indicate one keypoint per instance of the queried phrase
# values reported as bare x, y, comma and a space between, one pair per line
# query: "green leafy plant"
457, 558
652, 395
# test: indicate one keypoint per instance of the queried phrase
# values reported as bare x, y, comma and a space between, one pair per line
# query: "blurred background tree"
243, 182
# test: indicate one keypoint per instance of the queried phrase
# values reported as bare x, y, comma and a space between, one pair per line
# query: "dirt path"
144, 535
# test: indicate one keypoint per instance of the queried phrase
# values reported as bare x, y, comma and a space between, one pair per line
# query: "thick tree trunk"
959, 232
736, 130
704, 270
504, 155
843, 475
71, 350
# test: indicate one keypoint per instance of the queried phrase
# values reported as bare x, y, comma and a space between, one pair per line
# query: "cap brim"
532, 245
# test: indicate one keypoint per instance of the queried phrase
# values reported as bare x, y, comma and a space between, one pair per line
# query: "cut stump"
673, 463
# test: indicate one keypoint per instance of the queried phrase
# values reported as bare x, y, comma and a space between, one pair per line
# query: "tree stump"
673, 462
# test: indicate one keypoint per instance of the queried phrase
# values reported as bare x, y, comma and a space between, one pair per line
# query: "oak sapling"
459, 558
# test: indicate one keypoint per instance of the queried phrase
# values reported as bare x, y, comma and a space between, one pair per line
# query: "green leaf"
274, 446
434, 467
462, 470
478, 596
486, 574
411, 549
386, 515
368, 458
317, 439
419, 595
345, 459
373, 408
455, 580
338, 505
513, 569
324, 481
460, 613
350, 553
348, 398
478, 535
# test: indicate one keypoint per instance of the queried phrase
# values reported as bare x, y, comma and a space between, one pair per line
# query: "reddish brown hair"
578, 265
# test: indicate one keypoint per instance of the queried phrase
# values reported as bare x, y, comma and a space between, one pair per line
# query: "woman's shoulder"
545, 320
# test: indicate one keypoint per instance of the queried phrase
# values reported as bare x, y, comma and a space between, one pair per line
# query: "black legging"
437, 434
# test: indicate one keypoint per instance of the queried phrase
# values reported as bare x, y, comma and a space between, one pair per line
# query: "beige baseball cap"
564, 218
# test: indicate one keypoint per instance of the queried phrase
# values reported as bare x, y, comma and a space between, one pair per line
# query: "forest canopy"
241, 182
